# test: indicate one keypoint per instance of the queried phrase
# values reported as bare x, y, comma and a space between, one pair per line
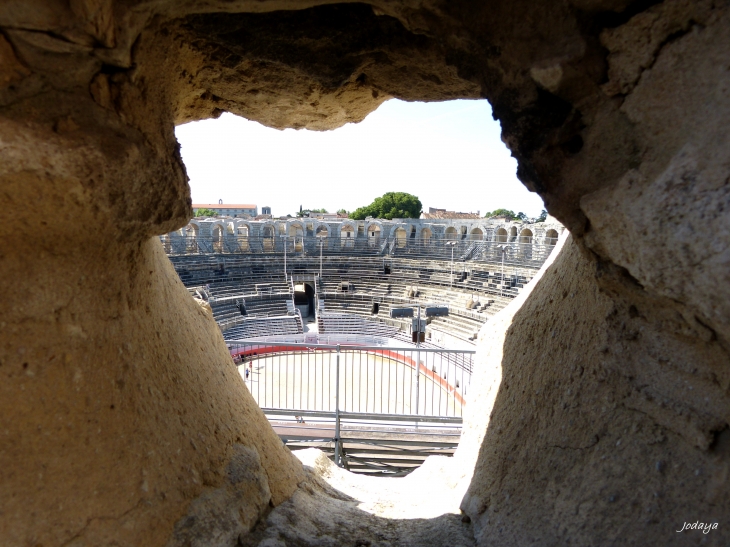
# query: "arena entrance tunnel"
304, 298
601, 404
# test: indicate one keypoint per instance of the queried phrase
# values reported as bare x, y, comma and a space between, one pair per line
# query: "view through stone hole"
596, 410
353, 324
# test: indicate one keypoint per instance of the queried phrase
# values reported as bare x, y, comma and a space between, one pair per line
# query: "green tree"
389, 206
542, 217
205, 213
503, 213
343, 212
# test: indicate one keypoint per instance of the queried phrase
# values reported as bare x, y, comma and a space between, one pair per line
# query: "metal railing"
373, 379
391, 384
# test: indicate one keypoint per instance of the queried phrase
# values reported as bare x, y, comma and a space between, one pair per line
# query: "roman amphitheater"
357, 268
586, 368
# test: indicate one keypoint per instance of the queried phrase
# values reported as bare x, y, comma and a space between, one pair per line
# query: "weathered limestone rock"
120, 404
334, 507
121, 415
616, 427
223, 516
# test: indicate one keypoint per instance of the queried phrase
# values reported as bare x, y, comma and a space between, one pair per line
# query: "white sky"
448, 154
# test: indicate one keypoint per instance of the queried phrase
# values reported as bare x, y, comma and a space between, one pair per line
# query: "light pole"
503, 249
418, 360
285, 237
451, 244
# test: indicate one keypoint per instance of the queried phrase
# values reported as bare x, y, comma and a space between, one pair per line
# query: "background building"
434, 213
229, 209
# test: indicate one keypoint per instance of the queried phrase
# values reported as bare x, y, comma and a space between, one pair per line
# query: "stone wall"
434, 229
122, 418
584, 432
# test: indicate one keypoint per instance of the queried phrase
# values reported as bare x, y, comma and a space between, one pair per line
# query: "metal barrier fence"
532, 253
363, 380
358, 384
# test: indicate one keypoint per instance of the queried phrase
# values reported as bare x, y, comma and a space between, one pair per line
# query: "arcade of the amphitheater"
599, 411
374, 231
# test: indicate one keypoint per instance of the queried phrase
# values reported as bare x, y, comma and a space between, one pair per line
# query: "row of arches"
373, 231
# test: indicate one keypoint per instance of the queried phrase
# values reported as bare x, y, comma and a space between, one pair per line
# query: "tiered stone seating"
347, 323
459, 326
474, 294
264, 308
259, 327
410, 287
249, 286
358, 307
225, 311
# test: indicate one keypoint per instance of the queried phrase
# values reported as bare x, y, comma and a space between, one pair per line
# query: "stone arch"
401, 236
295, 229
476, 234
513, 233
451, 233
374, 231
322, 231
501, 235
243, 233
192, 229
526, 236
217, 234
551, 237
191, 233
426, 235
347, 235
268, 236
347, 230
295, 236
268, 231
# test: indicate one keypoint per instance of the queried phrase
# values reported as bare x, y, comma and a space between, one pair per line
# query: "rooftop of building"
444, 214
224, 206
